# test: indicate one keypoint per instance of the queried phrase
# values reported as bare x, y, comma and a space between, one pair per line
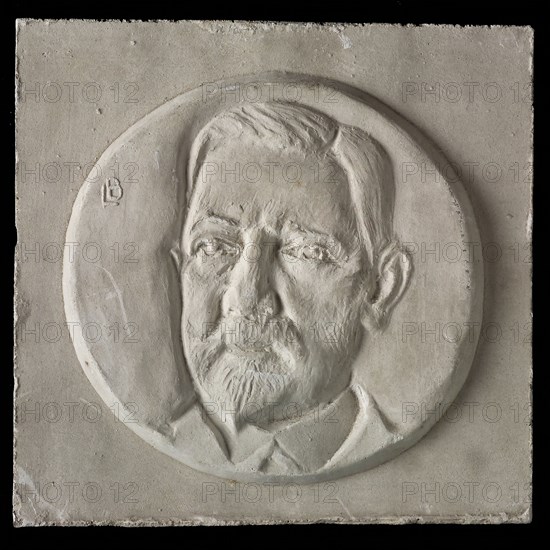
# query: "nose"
251, 292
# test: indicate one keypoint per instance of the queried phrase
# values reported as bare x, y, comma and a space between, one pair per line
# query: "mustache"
259, 344
257, 334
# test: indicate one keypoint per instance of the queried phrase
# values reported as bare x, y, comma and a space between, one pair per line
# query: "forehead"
254, 184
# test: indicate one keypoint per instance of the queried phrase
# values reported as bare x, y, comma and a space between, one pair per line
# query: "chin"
247, 387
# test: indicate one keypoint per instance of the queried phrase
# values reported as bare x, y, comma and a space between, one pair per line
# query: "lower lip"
248, 351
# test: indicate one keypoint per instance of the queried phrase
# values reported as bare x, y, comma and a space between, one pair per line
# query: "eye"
309, 253
213, 247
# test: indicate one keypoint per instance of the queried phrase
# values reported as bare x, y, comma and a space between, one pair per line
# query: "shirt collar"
303, 445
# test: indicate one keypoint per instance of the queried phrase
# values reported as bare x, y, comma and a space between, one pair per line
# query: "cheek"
327, 296
202, 294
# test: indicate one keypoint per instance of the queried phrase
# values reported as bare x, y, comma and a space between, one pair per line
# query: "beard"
252, 374
248, 370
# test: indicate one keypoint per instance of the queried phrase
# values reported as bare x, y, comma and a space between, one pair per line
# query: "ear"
393, 273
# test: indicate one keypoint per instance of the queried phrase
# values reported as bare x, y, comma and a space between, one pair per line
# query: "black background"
288, 536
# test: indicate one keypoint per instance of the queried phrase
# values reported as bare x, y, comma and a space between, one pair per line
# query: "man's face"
273, 281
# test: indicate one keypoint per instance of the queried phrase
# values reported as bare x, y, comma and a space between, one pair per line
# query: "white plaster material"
289, 283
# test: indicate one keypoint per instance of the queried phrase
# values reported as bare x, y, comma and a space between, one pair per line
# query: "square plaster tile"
272, 273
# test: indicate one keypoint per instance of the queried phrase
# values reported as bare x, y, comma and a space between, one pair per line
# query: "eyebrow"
216, 219
304, 231
292, 228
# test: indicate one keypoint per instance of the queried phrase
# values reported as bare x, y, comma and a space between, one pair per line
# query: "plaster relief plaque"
278, 267
272, 273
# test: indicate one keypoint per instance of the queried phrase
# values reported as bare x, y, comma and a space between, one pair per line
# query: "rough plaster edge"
241, 25
487, 519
